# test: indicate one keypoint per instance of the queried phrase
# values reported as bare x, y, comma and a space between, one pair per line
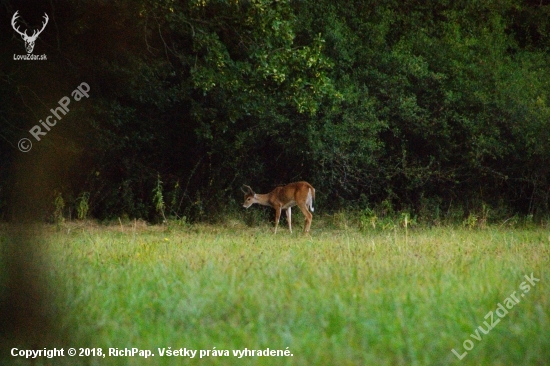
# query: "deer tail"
311, 198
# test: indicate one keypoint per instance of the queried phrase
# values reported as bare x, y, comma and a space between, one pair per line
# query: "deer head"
249, 196
29, 40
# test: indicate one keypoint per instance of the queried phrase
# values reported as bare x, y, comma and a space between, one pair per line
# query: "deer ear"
250, 191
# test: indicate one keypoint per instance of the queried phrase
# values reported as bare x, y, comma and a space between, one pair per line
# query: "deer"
299, 194
29, 40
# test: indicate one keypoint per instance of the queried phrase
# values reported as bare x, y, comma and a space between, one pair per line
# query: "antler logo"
29, 40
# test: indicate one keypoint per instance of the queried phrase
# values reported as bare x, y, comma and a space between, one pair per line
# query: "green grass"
338, 297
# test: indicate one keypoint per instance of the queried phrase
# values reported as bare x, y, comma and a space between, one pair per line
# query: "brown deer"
299, 194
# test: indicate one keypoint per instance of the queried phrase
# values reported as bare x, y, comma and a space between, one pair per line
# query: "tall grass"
337, 297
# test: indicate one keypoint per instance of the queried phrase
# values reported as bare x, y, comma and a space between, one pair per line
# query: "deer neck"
263, 199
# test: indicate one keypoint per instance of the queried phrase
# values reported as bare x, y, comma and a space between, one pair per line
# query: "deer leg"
307, 215
288, 215
277, 216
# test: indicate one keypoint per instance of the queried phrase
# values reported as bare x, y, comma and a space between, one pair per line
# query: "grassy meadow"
341, 296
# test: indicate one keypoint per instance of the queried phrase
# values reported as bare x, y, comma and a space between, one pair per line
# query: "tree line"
410, 105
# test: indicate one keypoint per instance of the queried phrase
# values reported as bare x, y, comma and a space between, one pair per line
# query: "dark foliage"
419, 104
